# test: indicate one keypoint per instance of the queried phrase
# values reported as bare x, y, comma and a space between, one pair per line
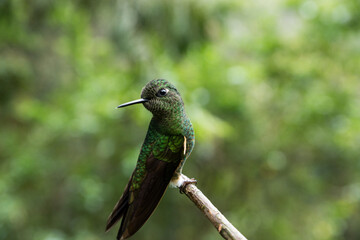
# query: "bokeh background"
272, 88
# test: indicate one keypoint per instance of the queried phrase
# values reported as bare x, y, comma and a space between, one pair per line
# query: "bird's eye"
162, 92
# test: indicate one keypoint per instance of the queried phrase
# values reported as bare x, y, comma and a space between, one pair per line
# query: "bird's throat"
170, 124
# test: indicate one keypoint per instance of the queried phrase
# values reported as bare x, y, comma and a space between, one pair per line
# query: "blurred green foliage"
272, 88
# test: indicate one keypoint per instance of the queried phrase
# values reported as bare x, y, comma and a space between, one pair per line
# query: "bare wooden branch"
222, 225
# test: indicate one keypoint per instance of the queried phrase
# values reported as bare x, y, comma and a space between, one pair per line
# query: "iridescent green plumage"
169, 141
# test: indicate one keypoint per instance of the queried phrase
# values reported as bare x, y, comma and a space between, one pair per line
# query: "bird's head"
160, 97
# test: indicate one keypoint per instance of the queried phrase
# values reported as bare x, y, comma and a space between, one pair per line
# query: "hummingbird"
168, 143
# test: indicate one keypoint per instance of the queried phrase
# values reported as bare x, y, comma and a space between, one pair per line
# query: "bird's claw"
185, 183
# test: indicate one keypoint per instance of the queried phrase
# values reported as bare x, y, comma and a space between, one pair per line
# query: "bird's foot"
185, 183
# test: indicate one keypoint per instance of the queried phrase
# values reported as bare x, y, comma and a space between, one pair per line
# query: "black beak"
141, 100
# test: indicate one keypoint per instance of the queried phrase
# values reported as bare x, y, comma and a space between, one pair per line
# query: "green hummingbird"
168, 143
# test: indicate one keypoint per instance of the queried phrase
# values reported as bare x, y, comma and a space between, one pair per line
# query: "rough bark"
222, 225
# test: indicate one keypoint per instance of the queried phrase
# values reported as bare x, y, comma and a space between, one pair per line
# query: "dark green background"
272, 88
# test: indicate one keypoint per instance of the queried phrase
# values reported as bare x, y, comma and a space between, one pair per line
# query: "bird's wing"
143, 194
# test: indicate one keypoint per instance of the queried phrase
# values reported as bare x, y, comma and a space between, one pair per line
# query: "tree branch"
222, 225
